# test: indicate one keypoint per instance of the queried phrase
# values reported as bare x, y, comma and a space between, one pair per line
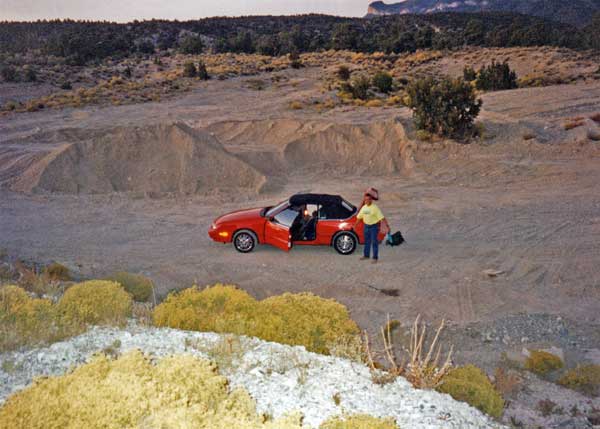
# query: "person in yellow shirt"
372, 218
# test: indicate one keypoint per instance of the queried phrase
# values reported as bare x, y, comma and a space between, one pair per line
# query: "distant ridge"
576, 12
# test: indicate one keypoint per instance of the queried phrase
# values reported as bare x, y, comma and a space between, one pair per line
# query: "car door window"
286, 217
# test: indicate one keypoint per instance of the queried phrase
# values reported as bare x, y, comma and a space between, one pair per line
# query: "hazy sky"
127, 10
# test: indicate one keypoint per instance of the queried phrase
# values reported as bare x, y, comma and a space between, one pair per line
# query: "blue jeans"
371, 232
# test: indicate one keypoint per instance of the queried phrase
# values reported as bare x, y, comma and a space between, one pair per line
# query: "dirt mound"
159, 159
379, 149
285, 145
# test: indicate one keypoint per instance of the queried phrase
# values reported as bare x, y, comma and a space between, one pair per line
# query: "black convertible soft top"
332, 206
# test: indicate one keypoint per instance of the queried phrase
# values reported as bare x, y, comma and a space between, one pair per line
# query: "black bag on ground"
395, 239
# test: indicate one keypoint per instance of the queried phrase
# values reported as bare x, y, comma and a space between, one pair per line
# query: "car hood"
239, 215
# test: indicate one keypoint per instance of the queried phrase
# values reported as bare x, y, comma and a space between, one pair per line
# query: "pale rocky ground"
529, 208
281, 379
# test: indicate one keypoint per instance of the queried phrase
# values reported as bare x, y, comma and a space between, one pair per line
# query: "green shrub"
469, 75
423, 135
8, 73
122, 393
189, 69
202, 71
343, 73
383, 82
471, 385
447, 107
221, 308
191, 45
541, 362
304, 319
95, 302
584, 379
140, 287
30, 75
295, 319
56, 271
359, 421
360, 87
496, 77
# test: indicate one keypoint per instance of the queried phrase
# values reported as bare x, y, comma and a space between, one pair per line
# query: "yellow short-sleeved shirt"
370, 215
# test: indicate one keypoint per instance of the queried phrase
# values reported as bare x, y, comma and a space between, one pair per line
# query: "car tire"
244, 241
345, 243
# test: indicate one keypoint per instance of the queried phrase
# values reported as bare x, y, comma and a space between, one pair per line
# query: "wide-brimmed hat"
373, 193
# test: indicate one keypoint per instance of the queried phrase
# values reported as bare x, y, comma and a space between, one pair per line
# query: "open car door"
278, 235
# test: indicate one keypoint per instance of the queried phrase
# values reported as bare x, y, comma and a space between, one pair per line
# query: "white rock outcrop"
280, 378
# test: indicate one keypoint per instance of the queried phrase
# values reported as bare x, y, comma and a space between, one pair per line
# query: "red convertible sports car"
304, 219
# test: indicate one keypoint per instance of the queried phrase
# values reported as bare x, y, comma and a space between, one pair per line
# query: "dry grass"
45, 282
507, 382
422, 367
374, 103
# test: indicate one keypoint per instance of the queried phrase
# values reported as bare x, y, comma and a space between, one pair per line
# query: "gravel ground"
280, 378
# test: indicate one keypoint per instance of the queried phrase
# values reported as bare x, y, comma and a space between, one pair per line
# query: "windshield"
348, 206
271, 211
286, 217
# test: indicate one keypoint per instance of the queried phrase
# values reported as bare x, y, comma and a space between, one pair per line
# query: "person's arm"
358, 218
386, 225
383, 221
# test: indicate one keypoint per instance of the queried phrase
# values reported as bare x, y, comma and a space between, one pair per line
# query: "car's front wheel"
244, 241
345, 243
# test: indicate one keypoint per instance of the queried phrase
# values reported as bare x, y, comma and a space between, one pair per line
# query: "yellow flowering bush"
359, 421
140, 287
584, 379
95, 302
295, 319
541, 362
471, 385
305, 319
25, 320
221, 308
131, 392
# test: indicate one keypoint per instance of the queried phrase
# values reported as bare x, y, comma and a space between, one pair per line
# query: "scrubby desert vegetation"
156, 60
320, 325
191, 390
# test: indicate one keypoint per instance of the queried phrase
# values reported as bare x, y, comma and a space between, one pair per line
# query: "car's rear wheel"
244, 241
345, 243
